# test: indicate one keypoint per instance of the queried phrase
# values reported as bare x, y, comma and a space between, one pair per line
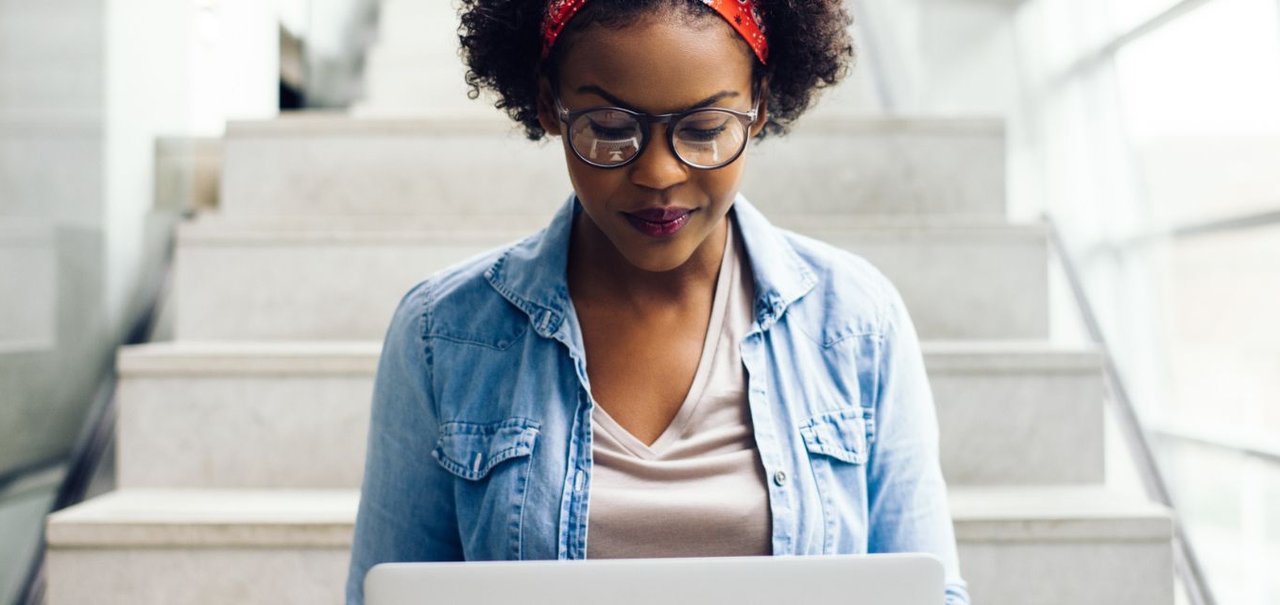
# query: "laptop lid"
888, 579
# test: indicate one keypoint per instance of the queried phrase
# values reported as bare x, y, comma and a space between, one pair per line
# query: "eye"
605, 131
610, 124
703, 129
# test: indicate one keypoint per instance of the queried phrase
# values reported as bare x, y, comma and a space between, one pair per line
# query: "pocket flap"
471, 450
841, 434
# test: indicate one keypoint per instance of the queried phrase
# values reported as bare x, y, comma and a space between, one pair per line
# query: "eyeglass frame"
646, 122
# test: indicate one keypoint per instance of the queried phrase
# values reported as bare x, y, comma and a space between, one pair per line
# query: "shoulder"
458, 303
850, 296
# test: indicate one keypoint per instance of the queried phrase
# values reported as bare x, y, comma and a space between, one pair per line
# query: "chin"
658, 263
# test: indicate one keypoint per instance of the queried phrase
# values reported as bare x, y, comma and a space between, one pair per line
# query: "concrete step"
412, 82
1041, 401
426, 27
237, 282
201, 547
414, 67
295, 415
301, 280
255, 415
1067, 545
334, 165
1037, 546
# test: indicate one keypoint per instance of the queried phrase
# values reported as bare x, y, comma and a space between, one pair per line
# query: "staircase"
241, 442
414, 63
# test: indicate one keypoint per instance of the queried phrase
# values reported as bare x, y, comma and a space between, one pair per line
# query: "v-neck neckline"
710, 344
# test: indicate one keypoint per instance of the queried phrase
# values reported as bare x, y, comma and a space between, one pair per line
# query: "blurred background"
1148, 129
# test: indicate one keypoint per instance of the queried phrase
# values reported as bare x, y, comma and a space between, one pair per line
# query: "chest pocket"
842, 435
838, 444
492, 462
471, 450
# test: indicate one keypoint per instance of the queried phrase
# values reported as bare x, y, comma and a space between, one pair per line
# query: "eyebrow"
610, 97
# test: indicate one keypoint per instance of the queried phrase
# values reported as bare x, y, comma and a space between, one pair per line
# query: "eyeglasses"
612, 137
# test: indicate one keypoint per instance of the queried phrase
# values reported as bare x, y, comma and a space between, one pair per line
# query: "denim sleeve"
406, 507
908, 507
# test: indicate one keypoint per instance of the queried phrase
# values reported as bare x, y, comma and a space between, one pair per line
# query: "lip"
659, 222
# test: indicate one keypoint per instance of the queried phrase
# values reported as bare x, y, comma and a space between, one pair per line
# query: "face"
661, 64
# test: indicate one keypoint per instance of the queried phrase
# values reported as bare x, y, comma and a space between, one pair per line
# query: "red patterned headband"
741, 14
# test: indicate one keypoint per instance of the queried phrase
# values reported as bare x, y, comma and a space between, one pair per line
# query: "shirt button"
780, 478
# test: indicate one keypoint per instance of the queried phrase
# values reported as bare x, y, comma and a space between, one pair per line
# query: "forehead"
659, 63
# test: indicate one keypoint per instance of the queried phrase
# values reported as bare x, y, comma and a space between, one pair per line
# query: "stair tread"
1055, 512
180, 517
1012, 355
221, 357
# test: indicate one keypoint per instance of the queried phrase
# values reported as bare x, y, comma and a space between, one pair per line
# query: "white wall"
173, 68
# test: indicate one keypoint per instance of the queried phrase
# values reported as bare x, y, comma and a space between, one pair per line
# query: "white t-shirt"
699, 490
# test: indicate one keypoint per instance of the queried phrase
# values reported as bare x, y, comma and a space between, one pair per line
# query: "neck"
598, 272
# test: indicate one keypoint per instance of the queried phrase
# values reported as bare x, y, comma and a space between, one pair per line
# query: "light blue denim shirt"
480, 442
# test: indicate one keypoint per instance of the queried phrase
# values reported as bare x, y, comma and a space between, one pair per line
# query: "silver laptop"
889, 579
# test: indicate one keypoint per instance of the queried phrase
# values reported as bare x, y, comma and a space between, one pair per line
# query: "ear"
547, 116
762, 117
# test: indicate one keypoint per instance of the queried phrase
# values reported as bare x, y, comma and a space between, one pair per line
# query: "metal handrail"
1186, 564
1217, 226
13, 477
1270, 455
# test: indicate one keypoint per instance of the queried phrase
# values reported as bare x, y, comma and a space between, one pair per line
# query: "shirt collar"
533, 274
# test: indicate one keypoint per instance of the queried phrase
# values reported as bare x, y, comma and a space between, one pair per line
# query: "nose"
658, 167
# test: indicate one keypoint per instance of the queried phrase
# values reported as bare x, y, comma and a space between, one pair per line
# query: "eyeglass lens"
704, 139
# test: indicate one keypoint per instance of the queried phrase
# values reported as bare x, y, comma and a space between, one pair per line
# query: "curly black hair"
809, 49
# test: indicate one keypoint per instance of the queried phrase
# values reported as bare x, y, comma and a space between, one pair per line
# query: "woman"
660, 371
